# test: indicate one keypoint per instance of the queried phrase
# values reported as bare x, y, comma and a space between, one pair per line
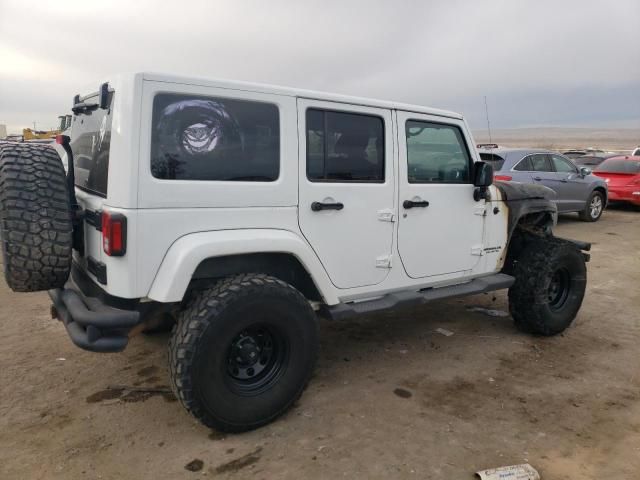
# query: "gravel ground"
391, 397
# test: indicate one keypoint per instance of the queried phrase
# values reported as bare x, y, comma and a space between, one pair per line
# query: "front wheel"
551, 277
243, 351
594, 207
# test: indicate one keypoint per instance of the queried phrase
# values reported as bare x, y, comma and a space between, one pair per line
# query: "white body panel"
173, 225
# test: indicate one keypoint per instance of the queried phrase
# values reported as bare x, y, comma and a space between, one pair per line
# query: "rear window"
496, 161
90, 142
619, 166
210, 138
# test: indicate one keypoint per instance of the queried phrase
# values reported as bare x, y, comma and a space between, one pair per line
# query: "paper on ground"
512, 472
444, 331
488, 311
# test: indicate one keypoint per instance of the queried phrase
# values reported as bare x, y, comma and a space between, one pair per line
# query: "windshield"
619, 166
90, 141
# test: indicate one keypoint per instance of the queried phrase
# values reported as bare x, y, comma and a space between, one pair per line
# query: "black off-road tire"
551, 277
203, 347
591, 212
35, 218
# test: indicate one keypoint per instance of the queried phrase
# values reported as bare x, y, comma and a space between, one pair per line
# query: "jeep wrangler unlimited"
241, 212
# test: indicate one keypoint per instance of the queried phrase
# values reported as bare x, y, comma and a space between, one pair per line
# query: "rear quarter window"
210, 138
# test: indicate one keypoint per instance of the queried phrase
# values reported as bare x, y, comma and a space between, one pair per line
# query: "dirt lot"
391, 397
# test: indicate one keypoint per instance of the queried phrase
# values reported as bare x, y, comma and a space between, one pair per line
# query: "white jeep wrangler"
241, 212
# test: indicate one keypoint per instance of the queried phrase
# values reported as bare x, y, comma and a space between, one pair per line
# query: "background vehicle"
592, 161
577, 190
571, 154
244, 211
622, 174
636, 152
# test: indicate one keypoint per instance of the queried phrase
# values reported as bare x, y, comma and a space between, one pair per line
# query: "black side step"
490, 283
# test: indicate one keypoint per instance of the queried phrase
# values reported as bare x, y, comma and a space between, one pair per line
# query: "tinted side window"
540, 162
206, 138
436, 153
344, 147
562, 165
524, 165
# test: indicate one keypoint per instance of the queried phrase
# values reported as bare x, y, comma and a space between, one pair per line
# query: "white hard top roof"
294, 92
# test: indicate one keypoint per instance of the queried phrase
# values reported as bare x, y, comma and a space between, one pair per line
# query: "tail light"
505, 178
114, 234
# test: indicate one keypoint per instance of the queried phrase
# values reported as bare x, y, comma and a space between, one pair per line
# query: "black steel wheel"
243, 351
256, 359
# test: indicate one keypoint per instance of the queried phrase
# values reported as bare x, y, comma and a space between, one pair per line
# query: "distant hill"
561, 138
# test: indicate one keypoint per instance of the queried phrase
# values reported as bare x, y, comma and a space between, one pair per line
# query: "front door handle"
317, 206
410, 204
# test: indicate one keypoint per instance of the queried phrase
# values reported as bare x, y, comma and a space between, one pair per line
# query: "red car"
622, 175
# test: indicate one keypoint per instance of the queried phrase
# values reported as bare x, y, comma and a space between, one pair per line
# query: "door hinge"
477, 250
480, 210
383, 262
386, 215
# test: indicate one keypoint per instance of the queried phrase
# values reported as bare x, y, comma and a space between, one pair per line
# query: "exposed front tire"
551, 278
35, 218
243, 351
594, 207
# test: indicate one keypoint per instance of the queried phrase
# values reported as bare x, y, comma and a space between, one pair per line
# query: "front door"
440, 226
572, 187
346, 180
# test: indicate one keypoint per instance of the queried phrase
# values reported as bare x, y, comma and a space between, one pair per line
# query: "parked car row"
585, 181
577, 190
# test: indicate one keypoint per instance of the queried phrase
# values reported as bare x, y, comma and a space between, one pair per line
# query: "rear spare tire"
35, 218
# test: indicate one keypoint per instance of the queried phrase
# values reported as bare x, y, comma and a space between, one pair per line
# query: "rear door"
346, 187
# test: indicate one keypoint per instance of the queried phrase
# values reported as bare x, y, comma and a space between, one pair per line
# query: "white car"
244, 211
636, 152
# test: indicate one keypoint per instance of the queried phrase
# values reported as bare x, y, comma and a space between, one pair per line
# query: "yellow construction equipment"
30, 134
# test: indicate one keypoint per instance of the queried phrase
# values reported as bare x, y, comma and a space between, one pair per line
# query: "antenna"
486, 110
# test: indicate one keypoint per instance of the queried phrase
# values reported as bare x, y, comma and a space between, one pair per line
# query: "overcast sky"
539, 62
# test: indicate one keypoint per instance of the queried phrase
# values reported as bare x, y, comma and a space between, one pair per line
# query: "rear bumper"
91, 324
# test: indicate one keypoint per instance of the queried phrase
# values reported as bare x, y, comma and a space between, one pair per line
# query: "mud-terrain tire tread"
196, 318
533, 270
35, 218
585, 215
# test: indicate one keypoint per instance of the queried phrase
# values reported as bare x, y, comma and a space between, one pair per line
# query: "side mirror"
482, 178
584, 171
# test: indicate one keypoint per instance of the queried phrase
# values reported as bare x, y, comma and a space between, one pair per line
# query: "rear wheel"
35, 218
243, 351
551, 278
594, 207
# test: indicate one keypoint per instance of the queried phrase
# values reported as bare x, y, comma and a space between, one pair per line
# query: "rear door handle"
317, 206
410, 204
